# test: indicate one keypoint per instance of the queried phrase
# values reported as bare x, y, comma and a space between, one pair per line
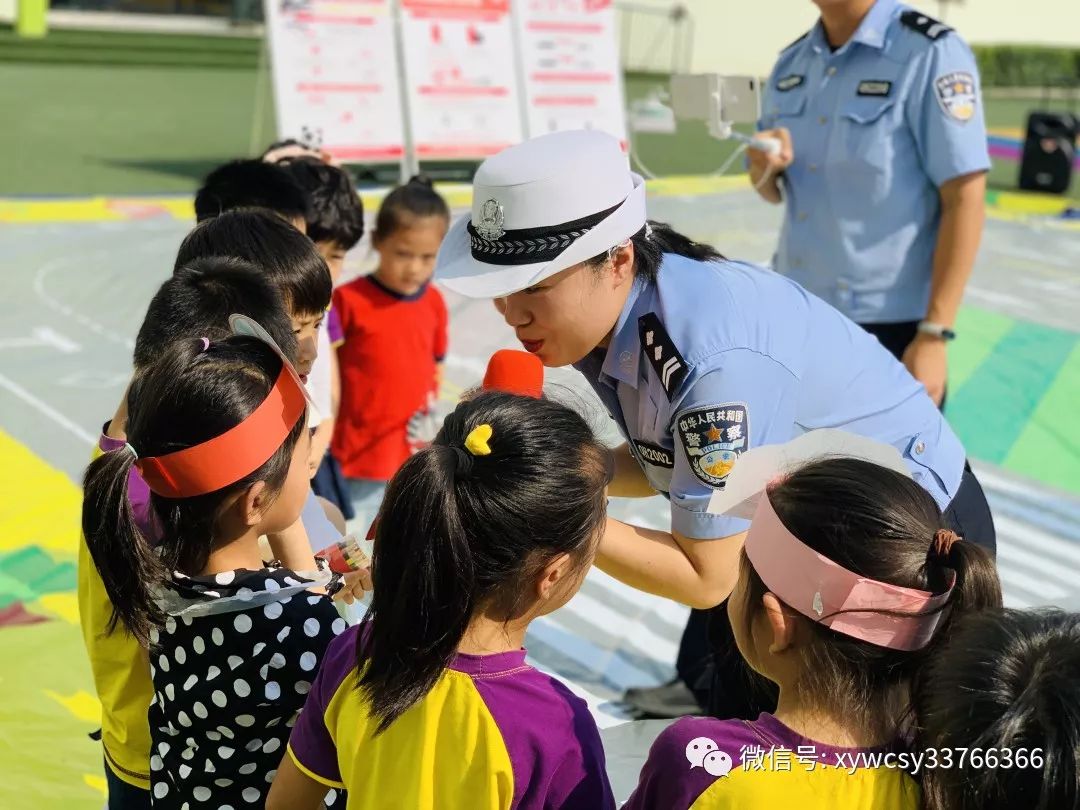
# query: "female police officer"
697, 358
883, 165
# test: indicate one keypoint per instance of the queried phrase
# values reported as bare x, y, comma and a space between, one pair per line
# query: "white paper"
756, 468
461, 83
335, 76
572, 77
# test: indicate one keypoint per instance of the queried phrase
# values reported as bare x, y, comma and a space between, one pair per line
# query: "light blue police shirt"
876, 127
715, 358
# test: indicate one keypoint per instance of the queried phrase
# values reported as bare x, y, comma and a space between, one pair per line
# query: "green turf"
993, 406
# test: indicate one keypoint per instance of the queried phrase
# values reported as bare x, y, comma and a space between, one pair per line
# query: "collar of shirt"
624, 350
871, 30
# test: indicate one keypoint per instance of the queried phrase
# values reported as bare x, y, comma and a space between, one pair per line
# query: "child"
252, 184
289, 259
394, 325
217, 431
196, 300
431, 703
335, 224
997, 709
846, 575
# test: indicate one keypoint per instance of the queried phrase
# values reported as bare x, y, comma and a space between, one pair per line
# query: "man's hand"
766, 168
926, 359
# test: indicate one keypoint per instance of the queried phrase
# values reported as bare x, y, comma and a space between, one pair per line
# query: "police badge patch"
713, 437
956, 94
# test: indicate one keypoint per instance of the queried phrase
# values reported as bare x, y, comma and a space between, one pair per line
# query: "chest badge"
789, 82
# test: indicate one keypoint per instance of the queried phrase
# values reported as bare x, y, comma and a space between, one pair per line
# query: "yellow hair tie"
477, 440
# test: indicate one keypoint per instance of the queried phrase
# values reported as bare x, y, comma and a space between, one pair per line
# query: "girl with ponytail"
429, 703
217, 431
848, 586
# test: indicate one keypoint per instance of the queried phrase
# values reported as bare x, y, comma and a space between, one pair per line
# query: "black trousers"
896, 337
123, 796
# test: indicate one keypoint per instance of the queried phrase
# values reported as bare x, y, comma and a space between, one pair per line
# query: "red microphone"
515, 372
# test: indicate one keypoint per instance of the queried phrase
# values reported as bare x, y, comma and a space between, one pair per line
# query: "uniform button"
920, 448
802, 216
831, 71
812, 167
796, 263
823, 120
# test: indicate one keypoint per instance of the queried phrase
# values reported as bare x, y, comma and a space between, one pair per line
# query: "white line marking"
47, 410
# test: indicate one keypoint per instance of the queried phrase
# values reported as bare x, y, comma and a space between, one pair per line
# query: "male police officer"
882, 172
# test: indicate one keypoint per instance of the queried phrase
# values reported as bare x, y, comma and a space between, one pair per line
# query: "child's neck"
486, 636
239, 551
841, 731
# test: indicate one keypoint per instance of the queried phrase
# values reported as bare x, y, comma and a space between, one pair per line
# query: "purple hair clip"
205, 344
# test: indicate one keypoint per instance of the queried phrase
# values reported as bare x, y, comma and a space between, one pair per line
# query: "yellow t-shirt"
119, 664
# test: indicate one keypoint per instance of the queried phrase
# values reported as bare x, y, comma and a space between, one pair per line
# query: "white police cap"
540, 207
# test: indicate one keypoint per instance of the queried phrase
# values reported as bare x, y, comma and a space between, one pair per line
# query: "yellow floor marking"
41, 506
82, 705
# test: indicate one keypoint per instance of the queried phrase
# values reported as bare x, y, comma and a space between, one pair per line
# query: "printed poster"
335, 76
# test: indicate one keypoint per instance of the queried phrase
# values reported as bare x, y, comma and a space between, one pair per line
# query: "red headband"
236, 453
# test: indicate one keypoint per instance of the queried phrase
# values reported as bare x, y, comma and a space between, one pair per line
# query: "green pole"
31, 20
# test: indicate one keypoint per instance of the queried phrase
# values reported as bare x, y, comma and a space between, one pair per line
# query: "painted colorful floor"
80, 272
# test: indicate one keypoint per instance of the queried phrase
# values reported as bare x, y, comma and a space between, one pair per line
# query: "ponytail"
127, 564
977, 587
421, 547
652, 242
463, 532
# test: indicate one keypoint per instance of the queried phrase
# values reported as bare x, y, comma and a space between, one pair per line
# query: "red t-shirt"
392, 344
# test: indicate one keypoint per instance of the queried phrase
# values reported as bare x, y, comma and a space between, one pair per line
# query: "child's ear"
547, 583
782, 623
253, 503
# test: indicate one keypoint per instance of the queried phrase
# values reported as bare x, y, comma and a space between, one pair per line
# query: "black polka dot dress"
231, 670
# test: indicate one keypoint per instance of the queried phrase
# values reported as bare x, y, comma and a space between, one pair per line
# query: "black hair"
414, 200
650, 245
287, 257
336, 214
459, 533
197, 300
251, 184
188, 396
1005, 681
881, 525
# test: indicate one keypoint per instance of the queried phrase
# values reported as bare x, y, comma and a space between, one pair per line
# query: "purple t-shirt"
700, 763
137, 490
493, 734
333, 328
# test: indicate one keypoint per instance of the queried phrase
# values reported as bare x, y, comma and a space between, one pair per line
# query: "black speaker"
1049, 152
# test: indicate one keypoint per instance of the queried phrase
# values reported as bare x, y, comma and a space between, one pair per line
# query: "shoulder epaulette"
927, 26
669, 365
791, 45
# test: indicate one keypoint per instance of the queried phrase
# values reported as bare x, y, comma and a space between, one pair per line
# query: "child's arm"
292, 548
335, 380
293, 789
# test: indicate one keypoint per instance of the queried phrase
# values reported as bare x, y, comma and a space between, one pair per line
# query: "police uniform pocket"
787, 106
867, 146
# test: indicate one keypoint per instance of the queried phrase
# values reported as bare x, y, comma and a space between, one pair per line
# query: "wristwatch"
936, 329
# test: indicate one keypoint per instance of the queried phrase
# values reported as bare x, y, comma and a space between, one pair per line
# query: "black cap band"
533, 245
